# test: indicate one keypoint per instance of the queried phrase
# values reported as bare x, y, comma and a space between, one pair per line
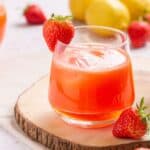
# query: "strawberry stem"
141, 111
60, 17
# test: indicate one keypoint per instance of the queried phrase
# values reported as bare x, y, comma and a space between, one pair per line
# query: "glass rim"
80, 44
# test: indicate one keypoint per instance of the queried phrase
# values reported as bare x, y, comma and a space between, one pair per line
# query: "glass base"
85, 123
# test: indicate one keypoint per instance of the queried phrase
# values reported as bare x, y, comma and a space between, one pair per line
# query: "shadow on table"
25, 25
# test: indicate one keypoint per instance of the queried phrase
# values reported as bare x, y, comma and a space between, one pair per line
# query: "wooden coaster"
37, 119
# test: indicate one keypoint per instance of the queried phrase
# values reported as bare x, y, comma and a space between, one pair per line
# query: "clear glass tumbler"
91, 79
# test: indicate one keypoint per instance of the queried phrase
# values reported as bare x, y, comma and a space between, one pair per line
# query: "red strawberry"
34, 14
132, 123
58, 28
138, 33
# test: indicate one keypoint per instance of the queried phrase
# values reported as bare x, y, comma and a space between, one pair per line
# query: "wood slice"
37, 119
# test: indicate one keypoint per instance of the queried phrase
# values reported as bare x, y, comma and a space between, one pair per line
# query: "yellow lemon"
137, 8
110, 13
148, 6
78, 8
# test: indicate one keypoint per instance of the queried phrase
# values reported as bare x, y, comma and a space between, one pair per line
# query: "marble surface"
24, 58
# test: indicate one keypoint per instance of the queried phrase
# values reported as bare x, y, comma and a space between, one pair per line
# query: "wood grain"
37, 119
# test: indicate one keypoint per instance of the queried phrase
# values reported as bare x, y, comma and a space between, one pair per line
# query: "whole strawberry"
34, 14
138, 32
132, 123
58, 28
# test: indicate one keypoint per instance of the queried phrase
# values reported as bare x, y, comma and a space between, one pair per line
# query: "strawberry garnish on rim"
132, 123
58, 28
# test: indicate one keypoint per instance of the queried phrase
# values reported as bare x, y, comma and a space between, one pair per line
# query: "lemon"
110, 13
148, 6
78, 8
137, 8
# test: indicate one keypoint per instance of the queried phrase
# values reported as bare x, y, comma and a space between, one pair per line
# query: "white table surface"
24, 58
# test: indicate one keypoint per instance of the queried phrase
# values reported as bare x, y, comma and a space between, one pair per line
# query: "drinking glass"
91, 80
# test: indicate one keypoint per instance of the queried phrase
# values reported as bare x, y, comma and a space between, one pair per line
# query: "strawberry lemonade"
91, 84
91, 79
